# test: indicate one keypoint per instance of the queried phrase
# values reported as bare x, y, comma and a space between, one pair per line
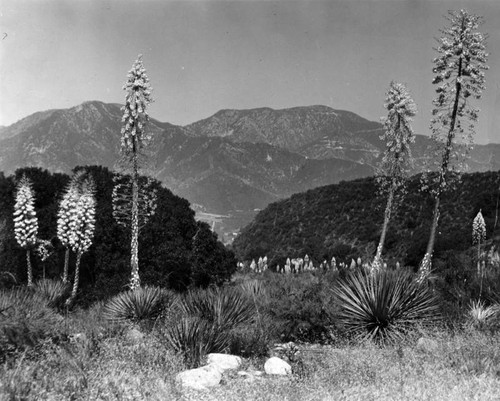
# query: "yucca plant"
208, 317
385, 305
25, 319
195, 337
481, 316
25, 221
226, 308
137, 305
53, 291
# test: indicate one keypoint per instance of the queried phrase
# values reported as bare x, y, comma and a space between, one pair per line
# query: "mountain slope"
344, 220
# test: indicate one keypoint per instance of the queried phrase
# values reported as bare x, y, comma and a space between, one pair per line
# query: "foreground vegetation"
132, 345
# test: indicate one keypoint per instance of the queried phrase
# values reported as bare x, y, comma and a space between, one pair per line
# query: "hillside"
230, 164
344, 220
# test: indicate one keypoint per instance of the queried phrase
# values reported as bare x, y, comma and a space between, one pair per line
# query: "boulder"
224, 361
200, 378
277, 366
134, 335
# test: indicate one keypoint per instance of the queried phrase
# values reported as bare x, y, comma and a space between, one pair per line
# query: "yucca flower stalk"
65, 218
397, 159
133, 139
25, 221
82, 228
460, 78
478, 236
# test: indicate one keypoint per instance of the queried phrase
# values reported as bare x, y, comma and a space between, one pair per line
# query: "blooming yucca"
459, 70
81, 228
66, 217
133, 139
397, 159
478, 236
25, 220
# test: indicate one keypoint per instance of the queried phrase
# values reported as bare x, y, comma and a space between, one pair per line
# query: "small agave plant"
481, 315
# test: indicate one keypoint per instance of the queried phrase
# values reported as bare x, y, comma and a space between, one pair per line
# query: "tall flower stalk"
133, 139
25, 221
397, 161
65, 218
82, 227
459, 70
478, 237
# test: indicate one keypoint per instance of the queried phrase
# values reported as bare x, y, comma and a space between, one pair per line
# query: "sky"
203, 56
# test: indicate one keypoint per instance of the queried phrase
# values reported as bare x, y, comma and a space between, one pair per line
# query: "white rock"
200, 378
277, 366
224, 361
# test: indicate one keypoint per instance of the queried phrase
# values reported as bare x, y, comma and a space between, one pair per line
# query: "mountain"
230, 164
344, 221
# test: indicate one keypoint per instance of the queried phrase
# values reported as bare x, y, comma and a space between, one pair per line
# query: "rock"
277, 366
427, 344
200, 378
79, 338
224, 361
134, 335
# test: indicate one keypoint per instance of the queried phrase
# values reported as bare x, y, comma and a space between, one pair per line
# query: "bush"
302, 307
384, 306
144, 303
25, 319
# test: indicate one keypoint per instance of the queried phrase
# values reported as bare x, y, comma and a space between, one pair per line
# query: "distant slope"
344, 220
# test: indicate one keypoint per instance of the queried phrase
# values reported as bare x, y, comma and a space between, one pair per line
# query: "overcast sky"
203, 56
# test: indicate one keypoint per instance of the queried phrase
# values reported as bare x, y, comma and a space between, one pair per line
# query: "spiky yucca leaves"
137, 305
208, 316
385, 305
53, 291
226, 308
25, 319
25, 221
482, 316
195, 337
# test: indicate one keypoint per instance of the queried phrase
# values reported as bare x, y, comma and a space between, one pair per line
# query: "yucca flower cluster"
134, 112
478, 229
83, 225
25, 220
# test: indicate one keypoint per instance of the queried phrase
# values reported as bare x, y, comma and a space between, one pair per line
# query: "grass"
465, 365
104, 363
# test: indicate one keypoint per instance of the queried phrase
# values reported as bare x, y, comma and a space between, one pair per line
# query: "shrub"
385, 305
143, 303
482, 316
25, 319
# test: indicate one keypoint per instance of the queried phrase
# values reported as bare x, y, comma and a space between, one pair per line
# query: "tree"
459, 70
66, 217
25, 221
81, 227
133, 139
397, 159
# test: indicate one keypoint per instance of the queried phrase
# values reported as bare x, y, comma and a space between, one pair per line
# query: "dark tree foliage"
166, 244
344, 220
211, 261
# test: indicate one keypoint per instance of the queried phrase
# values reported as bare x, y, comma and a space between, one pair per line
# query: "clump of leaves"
207, 319
143, 303
53, 291
482, 316
385, 305
25, 319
